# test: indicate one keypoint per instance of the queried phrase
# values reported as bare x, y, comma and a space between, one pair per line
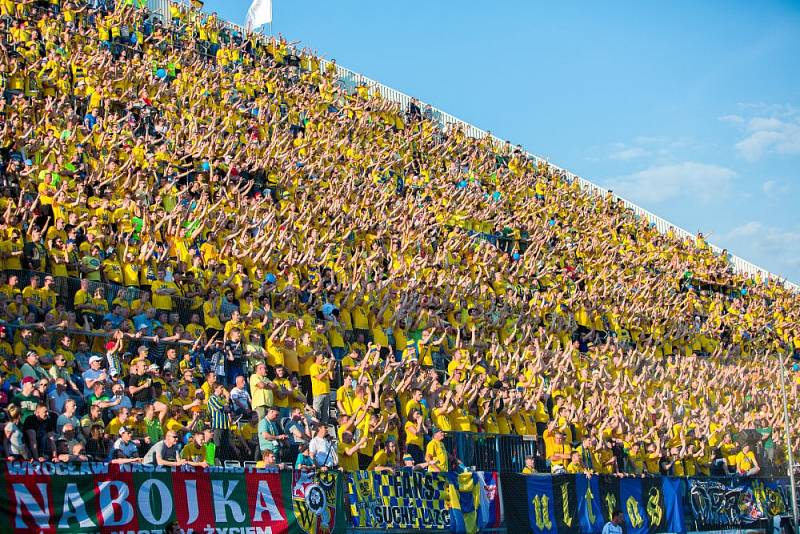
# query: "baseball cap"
28, 380
435, 429
123, 430
153, 367
95, 359
408, 458
32, 353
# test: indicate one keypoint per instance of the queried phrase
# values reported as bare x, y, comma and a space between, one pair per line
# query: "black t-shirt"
40, 426
235, 348
143, 395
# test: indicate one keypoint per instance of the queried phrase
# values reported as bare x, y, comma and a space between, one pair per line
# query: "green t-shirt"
27, 405
154, 430
211, 452
767, 431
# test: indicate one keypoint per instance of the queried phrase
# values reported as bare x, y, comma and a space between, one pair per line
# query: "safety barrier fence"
350, 80
101, 497
67, 286
491, 452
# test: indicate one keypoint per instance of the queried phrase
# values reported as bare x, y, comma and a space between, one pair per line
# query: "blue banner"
541, 512
674, 494
630, 493
590, 511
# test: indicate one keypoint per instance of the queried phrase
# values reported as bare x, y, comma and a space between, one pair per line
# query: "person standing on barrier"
746, 463
615, 525
435, 452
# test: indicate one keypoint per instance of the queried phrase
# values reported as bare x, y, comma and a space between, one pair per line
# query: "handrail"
353, 79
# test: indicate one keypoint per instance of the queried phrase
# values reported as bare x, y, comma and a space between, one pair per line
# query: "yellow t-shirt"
319, 387
436, 451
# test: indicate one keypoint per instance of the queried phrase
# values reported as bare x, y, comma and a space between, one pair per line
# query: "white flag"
260, 13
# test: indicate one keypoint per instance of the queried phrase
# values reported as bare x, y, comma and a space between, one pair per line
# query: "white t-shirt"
611, 528
323, 452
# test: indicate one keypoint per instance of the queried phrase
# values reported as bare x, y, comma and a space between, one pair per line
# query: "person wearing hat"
25, 399
409, 464
125, 450
32, 368
435, 452
93, 375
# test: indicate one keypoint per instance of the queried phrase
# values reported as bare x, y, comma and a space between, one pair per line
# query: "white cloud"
629, 153
733, 119
661, 183
774, 129
659, 149
776, 188
748, 229
772, 247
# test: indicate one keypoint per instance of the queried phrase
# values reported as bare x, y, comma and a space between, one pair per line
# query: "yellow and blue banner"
414, 500
577, 504
590, 511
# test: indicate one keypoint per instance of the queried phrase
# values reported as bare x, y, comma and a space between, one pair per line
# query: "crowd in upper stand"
268, 260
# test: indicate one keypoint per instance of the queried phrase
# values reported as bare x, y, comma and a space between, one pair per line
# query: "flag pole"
789, 453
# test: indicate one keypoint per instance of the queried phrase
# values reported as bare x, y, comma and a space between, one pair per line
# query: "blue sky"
689, 109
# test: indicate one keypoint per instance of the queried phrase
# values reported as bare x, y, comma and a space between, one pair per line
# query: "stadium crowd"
212, 251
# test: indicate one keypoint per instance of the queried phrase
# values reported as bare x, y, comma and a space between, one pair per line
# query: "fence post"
497, 439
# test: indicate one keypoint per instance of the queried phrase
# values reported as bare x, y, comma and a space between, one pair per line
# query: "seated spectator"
267, 460
77, 453
385, 459
196, 451
530, 463
165, 452
304, 461
15, 446
68, 437
40, 430
97, 444
125, 450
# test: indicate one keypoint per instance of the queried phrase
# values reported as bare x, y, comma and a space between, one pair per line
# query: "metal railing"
65, 288
350, 80
504, 453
